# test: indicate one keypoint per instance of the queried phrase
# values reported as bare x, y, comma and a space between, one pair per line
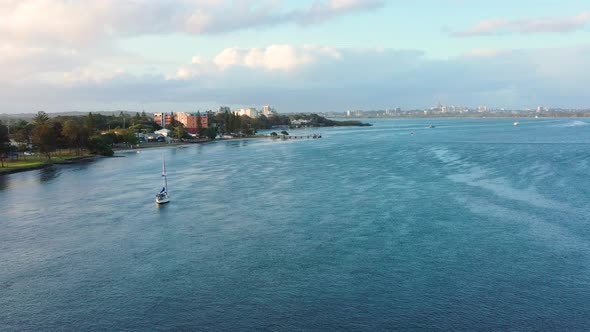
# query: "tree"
44, 139
226, 122
129, 136
60, 141
40, 118
76, 135
22, 132
199, 124
90, 123
247, 125
123, 116
180, 132
4, 143
99, 145
261, 123
211, 132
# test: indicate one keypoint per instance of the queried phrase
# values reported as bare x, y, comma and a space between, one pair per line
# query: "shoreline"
91, 158
143, 146
75, 160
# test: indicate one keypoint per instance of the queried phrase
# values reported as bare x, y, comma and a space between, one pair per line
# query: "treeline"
93, 133
229, 122
232, 123
315, 120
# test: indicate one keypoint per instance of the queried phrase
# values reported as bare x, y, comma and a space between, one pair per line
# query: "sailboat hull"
162, 198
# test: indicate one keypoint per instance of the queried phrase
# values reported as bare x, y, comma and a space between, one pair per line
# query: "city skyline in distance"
300, 56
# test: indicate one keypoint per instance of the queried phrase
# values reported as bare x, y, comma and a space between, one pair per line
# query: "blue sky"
333, 55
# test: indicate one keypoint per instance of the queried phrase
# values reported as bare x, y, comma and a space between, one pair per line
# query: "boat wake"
574, 123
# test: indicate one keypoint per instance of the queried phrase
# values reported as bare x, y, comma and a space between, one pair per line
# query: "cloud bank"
318, 78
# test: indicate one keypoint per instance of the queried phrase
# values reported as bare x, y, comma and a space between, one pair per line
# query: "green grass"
33, 161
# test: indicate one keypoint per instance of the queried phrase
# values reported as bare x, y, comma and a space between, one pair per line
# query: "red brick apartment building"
188, 120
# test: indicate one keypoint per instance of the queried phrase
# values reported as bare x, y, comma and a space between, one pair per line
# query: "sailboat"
162, 197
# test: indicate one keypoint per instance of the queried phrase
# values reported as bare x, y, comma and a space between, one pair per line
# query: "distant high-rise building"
268, 110
163, 119
250, 112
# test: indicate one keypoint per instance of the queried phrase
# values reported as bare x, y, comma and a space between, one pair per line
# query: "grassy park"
23, 163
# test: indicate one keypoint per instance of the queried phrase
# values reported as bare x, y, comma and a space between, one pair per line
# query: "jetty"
308, 136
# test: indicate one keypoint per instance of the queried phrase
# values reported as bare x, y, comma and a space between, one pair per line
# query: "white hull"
162, 198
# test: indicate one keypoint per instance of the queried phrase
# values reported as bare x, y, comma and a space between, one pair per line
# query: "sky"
297, 56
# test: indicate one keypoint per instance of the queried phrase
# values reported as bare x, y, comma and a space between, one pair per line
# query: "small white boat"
162, 197
516, 123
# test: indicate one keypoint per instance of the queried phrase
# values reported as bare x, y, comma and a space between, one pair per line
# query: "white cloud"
81, 22
527, 25
283, 58
322, 11
61, 38
483, 52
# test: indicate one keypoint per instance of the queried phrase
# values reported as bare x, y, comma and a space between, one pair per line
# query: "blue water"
473, 225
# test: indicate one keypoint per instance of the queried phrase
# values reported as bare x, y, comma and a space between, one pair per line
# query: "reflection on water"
3, 182
48, 173
161, 207
80, 166
237, 144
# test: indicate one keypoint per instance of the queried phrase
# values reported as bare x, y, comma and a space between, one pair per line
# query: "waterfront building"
163, 119
190, 121
164, 132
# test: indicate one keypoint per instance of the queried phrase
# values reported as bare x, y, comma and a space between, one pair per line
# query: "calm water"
472, 225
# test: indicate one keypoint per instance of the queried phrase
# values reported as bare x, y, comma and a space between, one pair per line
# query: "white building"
163, 132
251, 112
267, 111
299, 122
